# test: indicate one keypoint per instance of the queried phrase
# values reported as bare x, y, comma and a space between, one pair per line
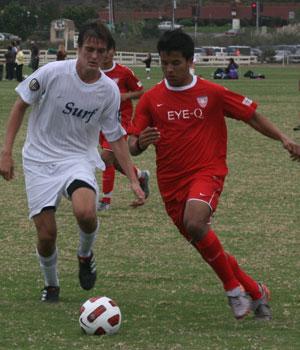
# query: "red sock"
108, 180
250, 285
213, 253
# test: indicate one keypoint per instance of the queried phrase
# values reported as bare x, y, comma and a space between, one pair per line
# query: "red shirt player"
184, 117
130, 88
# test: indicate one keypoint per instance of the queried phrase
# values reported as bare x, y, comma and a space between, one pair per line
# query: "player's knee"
87, 219
197, 228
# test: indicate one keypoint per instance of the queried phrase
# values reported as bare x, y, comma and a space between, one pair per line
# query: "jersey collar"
110, 69
181, 88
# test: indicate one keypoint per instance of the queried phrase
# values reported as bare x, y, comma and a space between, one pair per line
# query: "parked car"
9, 36
167, 25
281, 56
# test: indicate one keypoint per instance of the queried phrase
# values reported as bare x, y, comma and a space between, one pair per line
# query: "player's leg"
47, 252
83, 196
108, 179
142, 175
196, 218
259, 292
43, 189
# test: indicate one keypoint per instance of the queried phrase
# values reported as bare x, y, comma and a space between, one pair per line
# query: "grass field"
169, 298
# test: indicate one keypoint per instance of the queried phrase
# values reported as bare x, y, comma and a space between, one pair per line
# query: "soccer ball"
99, 316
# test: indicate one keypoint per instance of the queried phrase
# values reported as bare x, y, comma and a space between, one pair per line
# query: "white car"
167, 25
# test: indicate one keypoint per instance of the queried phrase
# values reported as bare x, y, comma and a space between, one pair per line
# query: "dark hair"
95, 29
111, 44
176, 40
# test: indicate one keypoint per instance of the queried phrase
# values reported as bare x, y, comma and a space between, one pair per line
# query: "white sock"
48, 267
86, 241
139, 173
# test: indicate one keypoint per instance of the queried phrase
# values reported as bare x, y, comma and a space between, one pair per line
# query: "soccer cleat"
50, 294
296, 128
239, 303
102, 206
260, 307
144, 182
87, 271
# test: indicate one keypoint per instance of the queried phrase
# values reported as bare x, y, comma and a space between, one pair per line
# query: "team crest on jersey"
202, 101
247, 101
34, 85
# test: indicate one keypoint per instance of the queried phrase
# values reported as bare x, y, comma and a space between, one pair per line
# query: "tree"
79, 14
18, 19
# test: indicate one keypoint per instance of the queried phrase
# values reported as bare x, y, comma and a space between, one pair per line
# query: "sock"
249, 284
48, 267
86, 241
213, 253
108, 180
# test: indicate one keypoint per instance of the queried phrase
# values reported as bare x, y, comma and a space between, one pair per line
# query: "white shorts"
47, 183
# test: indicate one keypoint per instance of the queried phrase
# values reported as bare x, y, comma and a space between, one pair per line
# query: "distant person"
147, 62
20, 60
297, 128
130, 88
35, 58
9, 63
61, 53
232, 70
193, 66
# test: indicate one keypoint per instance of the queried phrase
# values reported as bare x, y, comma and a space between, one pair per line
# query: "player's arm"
120, 150
14, 122
147, 137
267, 128
131, 95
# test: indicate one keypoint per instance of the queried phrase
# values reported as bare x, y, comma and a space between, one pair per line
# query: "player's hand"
293, 148
6, 166
139, 193
148, 136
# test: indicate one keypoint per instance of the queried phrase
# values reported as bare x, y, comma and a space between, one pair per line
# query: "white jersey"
68, 114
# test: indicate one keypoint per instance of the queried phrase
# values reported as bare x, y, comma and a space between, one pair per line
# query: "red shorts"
105, 144
204, 188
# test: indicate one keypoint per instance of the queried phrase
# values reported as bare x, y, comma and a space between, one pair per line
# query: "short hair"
176, 40
95, 29
112, 44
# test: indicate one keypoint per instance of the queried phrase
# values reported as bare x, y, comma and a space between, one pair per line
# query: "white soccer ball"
99, 316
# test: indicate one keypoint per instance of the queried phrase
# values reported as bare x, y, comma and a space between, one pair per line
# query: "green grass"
169, 298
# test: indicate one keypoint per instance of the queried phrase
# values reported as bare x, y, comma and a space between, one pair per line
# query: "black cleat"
144, 182
261, 307
87, 271
50, 294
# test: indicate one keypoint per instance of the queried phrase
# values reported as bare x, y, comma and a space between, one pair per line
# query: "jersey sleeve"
237, 106
32, 88
142, 116
111, 126
132, 82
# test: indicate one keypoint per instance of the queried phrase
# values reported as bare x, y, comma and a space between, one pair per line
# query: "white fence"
135, 58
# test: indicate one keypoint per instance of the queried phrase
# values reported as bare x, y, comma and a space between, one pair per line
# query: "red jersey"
193, 133
126, 81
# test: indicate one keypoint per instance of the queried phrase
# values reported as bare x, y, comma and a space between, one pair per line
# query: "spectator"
9, 63
147, 62
232, 70
34, 59
61, 53
20, 59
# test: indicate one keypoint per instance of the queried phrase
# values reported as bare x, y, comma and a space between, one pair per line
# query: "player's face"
91, 55
108, 59
176, 68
